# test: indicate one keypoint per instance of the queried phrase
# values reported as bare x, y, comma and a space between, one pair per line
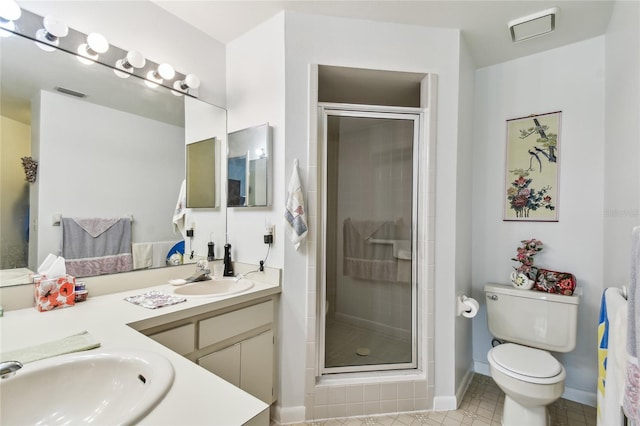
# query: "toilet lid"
526, 361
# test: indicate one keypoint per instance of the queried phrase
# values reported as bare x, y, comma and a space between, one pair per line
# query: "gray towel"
364, 260
102, 247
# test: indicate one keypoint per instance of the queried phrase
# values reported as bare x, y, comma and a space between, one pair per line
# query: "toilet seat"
526, 364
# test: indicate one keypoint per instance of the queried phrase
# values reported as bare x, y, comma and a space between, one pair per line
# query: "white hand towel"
179, 216
78, 342
142, 255
295, 214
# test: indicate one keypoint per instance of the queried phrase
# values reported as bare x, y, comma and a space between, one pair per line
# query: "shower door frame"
369, 111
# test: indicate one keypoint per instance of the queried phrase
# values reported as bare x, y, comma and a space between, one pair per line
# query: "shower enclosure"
369, 212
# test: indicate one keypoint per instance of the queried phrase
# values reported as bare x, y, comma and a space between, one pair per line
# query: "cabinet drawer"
179, 339
225, 326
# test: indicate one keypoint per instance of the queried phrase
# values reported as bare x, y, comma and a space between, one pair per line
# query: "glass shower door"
369, 215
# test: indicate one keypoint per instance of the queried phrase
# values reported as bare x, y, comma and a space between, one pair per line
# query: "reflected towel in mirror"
109, 251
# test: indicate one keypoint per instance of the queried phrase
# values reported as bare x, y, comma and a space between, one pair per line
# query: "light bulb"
126, 66
95, 45
156, 77
191, 81
9, 11
166, 71
49, 36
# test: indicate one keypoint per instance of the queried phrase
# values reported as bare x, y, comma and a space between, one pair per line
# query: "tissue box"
52, 293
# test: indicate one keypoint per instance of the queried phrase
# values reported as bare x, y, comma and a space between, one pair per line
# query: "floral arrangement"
524, 255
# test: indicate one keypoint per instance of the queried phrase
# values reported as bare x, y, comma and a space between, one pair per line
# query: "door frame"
369, 111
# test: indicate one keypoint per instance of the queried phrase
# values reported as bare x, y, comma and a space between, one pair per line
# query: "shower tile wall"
379, 305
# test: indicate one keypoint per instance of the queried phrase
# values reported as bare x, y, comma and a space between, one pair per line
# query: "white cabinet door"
224, 363
256, 366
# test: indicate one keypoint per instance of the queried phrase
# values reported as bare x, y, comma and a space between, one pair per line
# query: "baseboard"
572, 394
444, 403
464, 385
288, 415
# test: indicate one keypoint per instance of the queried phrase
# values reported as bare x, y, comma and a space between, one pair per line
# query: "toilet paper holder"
467, 306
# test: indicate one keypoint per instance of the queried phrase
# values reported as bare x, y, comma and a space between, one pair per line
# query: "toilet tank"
532, 318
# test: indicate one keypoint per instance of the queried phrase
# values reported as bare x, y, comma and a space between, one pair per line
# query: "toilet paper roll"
470, 307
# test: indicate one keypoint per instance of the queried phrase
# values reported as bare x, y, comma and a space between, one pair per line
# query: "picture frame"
532, 168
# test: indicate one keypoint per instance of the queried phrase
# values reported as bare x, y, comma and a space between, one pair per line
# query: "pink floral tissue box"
52, 293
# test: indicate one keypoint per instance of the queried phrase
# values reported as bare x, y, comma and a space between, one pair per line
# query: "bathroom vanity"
231, 336
235, 342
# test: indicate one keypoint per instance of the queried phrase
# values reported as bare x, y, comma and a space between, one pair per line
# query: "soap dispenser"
228, 267
210, 254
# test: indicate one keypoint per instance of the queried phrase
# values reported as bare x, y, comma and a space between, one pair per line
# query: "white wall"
570, 79
622, 148
146, 27
14, 192
255, 93
78, 145
464, 213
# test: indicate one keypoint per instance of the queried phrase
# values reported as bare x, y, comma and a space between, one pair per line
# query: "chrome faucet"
202, 272
9, 368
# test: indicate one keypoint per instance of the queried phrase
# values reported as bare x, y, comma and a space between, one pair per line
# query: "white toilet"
533, 323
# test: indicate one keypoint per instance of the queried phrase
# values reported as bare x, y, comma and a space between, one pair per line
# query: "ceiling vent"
533, 25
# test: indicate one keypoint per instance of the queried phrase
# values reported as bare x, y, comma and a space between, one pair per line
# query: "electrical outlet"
268, 234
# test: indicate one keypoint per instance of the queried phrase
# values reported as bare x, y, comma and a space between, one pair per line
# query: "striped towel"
611, 357
295, 213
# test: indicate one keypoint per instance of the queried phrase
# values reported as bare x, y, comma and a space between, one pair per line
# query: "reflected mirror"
105, 147
201, 176
248, 167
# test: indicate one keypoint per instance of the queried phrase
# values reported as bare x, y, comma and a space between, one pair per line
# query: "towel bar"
623, 291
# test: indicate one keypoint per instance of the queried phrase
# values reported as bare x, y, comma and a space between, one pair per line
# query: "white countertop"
197, 397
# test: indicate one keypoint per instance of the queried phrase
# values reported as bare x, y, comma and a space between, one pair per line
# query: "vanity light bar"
29, 23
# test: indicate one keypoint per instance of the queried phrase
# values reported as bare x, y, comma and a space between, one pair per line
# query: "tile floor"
481, 406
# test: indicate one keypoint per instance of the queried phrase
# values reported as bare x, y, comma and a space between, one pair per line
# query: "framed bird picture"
532, 168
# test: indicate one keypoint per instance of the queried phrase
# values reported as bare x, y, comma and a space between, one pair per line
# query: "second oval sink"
215, 287
102, 388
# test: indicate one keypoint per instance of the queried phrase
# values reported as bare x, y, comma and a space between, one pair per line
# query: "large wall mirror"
248, 167
105, 146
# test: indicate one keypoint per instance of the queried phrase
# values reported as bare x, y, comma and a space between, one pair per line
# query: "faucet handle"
202, 265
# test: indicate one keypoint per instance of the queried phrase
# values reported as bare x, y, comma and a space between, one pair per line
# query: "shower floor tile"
347, 344
481, 406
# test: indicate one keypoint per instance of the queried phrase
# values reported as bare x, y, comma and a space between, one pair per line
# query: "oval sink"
215, 287
117, 387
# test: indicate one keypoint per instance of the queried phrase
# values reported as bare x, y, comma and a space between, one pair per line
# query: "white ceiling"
483, 23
